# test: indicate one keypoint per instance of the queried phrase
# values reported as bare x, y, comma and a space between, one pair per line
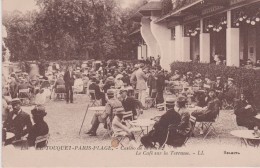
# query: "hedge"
247, 80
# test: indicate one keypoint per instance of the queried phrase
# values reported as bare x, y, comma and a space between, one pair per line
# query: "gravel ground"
64, 121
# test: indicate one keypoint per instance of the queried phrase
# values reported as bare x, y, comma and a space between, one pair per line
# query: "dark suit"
129, 105
99, 94
245, 117
69, 82
171, 117
20, 125
38, 129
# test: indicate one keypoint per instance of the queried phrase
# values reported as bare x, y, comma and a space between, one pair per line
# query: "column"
204, 45
232, 45
185, 49
178, 38
139, 51
163, 37
148, 37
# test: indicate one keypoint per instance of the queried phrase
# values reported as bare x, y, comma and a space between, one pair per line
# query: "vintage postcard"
130, 83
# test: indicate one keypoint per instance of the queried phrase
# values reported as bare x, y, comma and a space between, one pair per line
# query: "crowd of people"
122, 87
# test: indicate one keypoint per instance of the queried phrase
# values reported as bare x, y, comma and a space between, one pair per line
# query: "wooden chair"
24, 95
41, 141
93, 98
60, 96
209, 125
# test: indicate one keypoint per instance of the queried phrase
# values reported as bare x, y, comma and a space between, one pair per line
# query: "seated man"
210, 112
17, 122
119, 128
40, 128
99, 95
245, 113
230, 91
101, 117
159, 133
128, 103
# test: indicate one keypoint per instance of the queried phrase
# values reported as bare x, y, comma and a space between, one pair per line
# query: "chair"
41, 141
150, 101
24, 95
93, 98
209, 125
190, 133
161, 106
60, 96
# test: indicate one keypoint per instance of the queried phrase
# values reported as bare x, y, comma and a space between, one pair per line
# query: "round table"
257, 116
142, 123
244, 135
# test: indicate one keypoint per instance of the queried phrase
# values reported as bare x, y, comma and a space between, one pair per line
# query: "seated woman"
40, 128
119, 128
245, 113
78, 84
40, 97
59, 85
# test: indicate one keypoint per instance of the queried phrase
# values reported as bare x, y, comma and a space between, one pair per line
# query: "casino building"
197, 30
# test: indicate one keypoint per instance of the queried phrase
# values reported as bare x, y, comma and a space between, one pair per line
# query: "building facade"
201, 30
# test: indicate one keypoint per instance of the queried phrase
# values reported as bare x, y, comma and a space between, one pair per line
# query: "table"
142, 123
245, 135
95, 108
257, 116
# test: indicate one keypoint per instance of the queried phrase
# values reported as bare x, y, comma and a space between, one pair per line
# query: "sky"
21, 5
25, 5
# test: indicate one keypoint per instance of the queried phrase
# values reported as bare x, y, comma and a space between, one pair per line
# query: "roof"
151, 6
136, 17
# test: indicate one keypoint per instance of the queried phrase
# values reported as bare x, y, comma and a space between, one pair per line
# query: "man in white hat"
141, 83
101, 117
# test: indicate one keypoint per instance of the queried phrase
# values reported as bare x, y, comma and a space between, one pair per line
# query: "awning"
178, 13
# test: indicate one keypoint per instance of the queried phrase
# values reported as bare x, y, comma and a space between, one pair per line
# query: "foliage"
167, 6
246, 79
69, 29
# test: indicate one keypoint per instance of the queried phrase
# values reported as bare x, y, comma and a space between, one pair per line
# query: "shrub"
247, 80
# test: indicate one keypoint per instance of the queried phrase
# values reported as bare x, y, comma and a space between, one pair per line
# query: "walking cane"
83, 119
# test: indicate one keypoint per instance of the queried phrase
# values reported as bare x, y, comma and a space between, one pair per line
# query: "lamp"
237, 24
252, 22
248, 20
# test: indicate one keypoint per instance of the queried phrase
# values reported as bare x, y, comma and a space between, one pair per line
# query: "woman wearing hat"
118, 127
245, 113
184, 126
40, 127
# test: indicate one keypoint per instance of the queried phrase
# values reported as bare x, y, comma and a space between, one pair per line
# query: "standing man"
69, 82
141, 83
